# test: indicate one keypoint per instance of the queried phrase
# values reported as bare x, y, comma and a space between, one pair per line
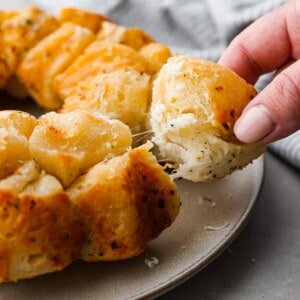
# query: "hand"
271, 43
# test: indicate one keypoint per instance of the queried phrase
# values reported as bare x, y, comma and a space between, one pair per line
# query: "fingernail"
254, 124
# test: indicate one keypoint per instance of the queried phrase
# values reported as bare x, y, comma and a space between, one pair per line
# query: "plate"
211, 216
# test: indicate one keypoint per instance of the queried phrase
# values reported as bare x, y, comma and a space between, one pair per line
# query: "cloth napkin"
200, 28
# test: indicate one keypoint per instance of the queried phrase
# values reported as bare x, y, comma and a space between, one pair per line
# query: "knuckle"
285, 97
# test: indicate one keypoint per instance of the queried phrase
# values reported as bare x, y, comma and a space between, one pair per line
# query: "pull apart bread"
72, 185
76, 189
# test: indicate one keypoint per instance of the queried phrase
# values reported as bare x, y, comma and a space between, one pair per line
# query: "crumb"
253, 260
183, 247
213, 204
213, 228
151, 262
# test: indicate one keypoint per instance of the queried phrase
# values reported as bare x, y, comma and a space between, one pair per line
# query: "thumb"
275, 112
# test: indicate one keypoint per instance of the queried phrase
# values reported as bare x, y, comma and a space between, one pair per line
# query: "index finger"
266, 44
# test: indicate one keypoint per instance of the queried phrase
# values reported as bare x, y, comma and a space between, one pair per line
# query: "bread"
66, 145
132, 37
21, 32
15, 129
83, 18
195, 104
123, 204
156, 55
4, 71
49, 58
98, 58
121, 94
38, 229
59, 174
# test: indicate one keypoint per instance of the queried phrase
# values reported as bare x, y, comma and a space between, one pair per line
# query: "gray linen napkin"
200, 28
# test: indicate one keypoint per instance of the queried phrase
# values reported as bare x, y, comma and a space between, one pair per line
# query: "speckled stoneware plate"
211, 216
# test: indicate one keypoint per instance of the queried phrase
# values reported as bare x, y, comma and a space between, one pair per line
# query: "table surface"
264, 261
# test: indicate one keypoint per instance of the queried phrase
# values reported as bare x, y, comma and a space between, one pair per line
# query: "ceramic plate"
211, 217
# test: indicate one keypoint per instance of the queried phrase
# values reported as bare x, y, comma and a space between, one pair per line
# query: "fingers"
266, 44
275, 112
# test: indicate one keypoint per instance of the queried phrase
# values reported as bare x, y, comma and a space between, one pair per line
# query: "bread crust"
23, 31
38, 229
82, 17
98, 58
121, 94
123, 204
133, 37
49, 58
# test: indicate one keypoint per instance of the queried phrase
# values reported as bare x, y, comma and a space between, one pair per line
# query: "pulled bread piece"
123, 204
194, 107
38, 229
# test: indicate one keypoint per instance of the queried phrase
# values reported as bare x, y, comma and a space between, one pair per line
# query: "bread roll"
38, 230
195, 104
15, 129
65, 145
21, 32
49, 58
123, 204
122, 95
81, 17
98, 58
156, 55
132, 37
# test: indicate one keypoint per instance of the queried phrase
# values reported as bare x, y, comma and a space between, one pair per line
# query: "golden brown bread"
123, 204
38, 229
121, 94
49, 58
195, 104
83, 18
43, 63
21, 32
4, 71
66, 145
112, 33
98, 58
15, 129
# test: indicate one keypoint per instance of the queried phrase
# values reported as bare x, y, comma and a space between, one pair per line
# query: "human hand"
271, 43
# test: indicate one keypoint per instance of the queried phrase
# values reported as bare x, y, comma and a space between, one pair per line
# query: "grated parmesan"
151, 262
213, 228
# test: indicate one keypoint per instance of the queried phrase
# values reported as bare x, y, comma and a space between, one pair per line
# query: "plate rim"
214, 253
